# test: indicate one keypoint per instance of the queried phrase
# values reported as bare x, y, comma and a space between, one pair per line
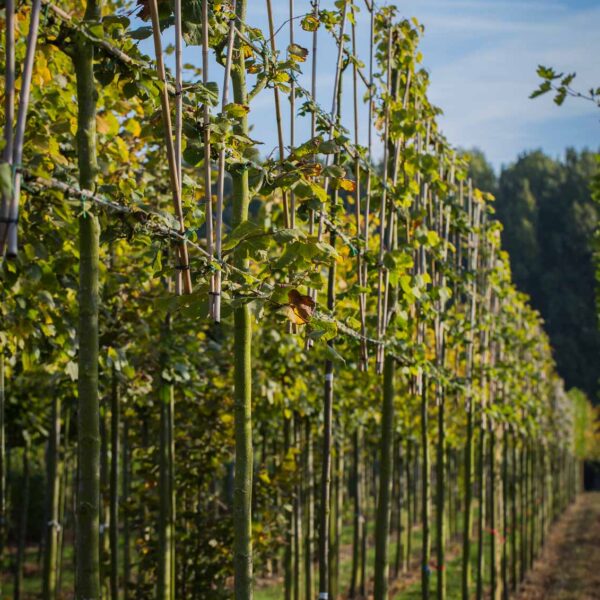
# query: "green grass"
32, 580
413, 591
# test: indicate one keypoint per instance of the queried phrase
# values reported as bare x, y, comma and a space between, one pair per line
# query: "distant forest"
549, 219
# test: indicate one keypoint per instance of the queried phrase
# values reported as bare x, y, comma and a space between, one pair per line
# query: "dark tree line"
549, 219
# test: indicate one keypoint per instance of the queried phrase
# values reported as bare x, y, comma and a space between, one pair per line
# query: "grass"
407, 586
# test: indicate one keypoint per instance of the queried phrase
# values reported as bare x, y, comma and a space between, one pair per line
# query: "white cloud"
485, 92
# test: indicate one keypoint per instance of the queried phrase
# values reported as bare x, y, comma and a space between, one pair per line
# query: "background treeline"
549, 218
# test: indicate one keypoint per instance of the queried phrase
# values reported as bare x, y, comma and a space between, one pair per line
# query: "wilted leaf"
301, 308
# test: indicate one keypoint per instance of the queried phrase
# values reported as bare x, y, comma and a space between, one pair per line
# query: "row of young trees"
298, 343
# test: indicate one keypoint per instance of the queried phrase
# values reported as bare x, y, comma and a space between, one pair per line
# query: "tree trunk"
382, 525
440, 497
242, 497
53, 486
309, 513
166, 525
115, 416
481, 510
87, 582
409, 504
468, 511
358, 517
126, 531
3, 515
289, 534
425, 497
22, 535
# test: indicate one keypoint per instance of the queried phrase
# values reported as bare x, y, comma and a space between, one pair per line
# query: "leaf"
329, 147
241, 232
309, 23
208, 93
141, 33
72, 370
334, 355
236, 111
334, 171
300, 308
107, 123
193, 154
6, 182
297, 52
288, 235
348, 185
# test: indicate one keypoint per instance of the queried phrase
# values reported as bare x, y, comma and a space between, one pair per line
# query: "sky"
482, 57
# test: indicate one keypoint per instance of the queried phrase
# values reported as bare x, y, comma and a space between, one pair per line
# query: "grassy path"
569, 566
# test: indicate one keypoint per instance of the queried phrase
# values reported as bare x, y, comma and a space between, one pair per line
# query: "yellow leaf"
107, 124
348, 185
133, 127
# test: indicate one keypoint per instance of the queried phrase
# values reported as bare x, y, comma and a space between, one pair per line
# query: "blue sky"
482, 56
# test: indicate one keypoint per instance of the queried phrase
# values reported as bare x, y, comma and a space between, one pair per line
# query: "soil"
569, 565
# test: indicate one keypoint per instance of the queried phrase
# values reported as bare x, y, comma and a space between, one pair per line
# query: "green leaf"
334, 355
242, 232
141, 33
236, 111
309, 23
297, 52
193, 154
6, 180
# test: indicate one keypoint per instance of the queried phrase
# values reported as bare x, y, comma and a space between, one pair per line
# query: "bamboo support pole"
184, 265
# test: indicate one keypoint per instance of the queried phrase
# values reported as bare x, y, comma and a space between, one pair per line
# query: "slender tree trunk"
114, 488
382, 525
53, 486
325, 485
358, 517
104, 500
481, 516
505, 497
409, 504
3, 515
289, 537
242, 497
531, 502
398, 503
298, 506
310, 514
440, 498
336, 523
126, 531
496, 508
88, 426
522, 513
362, 588
65, 488
468, 511
425, 497
166, 526
22, 535
513, 516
